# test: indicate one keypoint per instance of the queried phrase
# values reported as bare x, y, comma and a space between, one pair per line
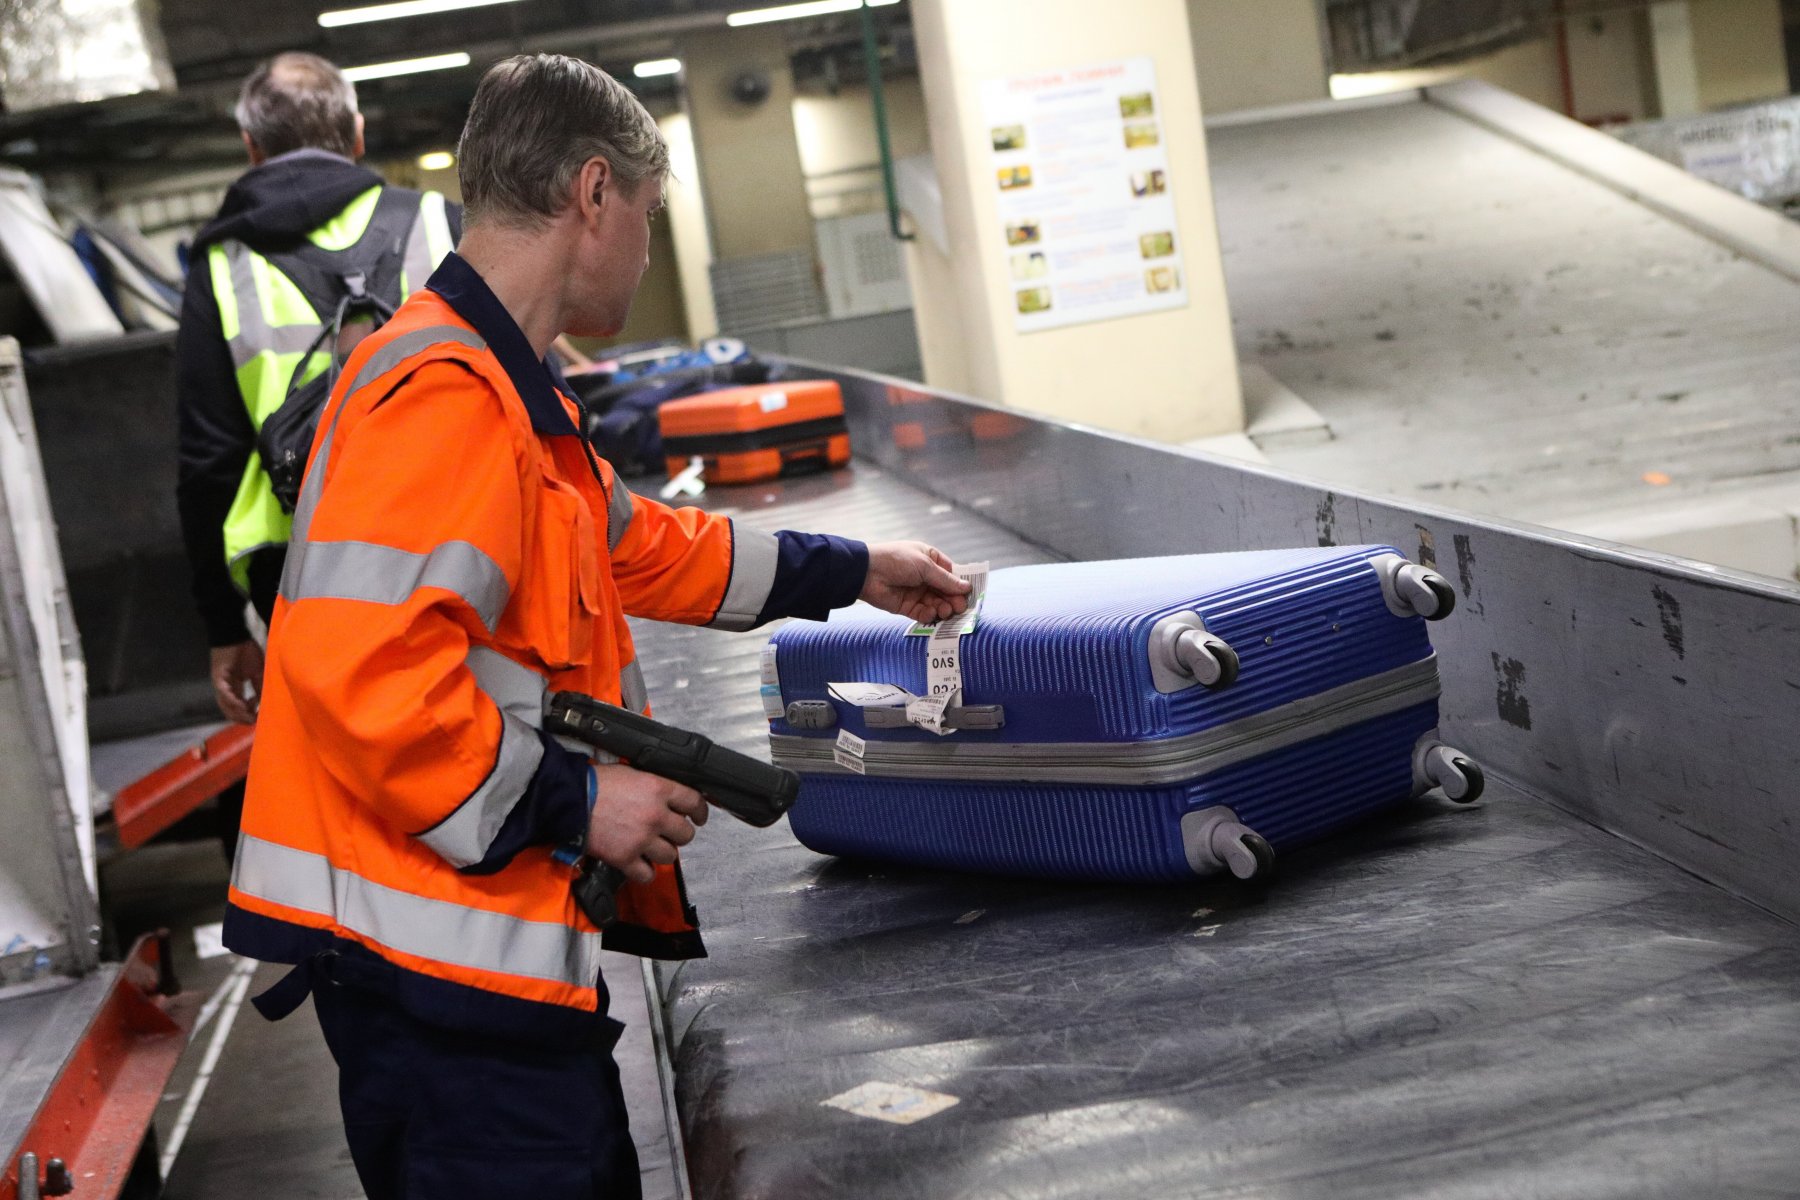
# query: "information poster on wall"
1082, 174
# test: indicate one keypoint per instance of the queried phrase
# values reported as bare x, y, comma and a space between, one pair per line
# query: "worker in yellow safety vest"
264, 278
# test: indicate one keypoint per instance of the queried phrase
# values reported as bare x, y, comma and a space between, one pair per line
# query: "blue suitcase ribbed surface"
1065, 651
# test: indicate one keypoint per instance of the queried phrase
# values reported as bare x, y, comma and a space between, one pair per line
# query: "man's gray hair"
535, 119
298, 101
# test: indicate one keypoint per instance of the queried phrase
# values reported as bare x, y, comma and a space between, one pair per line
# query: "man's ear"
598, 185
250, 148
358, 149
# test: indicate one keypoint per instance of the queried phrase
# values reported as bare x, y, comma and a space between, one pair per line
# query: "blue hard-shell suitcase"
1149, 719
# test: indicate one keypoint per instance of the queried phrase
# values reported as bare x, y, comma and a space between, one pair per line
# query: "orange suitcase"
747, 434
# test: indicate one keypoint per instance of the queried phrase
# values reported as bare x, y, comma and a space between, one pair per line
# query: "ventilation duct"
55, 52
1384, 35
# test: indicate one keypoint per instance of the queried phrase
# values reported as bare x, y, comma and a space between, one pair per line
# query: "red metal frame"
95, 1114
150, 805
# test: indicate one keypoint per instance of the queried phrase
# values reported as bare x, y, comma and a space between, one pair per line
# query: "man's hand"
237, 680
914, 580
640, 820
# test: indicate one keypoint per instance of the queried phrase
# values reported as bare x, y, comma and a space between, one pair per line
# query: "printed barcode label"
849, 743
771, 701
928, 713
770, 672
848, 761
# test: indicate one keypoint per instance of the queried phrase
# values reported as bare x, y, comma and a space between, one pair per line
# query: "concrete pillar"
1672, 57
1258, 55
1169, 375
749, 159
686, 215
1739, 51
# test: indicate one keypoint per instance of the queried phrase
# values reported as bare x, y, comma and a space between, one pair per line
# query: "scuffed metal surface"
55, 52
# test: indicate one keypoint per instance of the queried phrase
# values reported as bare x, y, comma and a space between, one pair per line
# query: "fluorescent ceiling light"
437, 160
657, 66
393, 12
406, 66
793, 12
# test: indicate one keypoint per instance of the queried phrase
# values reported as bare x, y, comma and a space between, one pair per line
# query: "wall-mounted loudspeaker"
750, 87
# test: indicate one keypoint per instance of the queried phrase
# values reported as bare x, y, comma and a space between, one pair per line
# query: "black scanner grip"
749, 789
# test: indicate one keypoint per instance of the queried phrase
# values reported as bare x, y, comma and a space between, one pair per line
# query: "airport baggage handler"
458, 552
249, 330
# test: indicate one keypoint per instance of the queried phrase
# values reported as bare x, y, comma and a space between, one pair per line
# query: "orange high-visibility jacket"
458, 553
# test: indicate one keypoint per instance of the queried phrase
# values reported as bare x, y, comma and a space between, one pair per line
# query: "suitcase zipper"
1132, 764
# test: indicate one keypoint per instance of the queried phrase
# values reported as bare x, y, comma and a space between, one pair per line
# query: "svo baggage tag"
943, 655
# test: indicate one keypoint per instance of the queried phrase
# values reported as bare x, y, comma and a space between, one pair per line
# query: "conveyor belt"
1500, 1000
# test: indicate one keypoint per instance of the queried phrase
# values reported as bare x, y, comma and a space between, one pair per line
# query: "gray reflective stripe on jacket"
754, 557
463, 837
384, 575
618, 514
432, 929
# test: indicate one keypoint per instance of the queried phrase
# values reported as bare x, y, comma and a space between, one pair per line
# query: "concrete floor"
1485, 329
267, 1124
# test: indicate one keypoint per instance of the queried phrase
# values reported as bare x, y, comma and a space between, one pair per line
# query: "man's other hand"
914, 580
237, 672
640, 820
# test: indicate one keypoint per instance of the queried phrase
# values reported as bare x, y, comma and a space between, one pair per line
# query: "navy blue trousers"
433, 1114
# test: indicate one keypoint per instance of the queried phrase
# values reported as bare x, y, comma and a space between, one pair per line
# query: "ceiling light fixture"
393, 12
406, 66
437, 160
657, 66
793, 12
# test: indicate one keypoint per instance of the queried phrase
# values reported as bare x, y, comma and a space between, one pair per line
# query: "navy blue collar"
463, 289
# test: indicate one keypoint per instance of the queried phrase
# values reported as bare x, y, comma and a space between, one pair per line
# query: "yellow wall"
1170, 375
1258, 54
1607, 58
1738, 50
837, 132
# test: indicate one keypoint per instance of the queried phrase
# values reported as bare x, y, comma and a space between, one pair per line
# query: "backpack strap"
378, 256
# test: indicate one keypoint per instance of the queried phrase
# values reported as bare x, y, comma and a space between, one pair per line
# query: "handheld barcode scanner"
750, 790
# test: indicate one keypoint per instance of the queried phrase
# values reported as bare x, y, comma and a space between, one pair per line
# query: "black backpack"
361, 281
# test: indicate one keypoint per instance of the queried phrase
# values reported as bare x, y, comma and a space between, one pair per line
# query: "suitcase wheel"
1263, 853
1449, 769
1414, 591
1209, 660
1183, 653
1216, 840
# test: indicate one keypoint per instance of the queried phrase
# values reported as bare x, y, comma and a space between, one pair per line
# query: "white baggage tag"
943, 655
943, 667
771, 669
870, 695
771, 701
928, 713
964, 621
